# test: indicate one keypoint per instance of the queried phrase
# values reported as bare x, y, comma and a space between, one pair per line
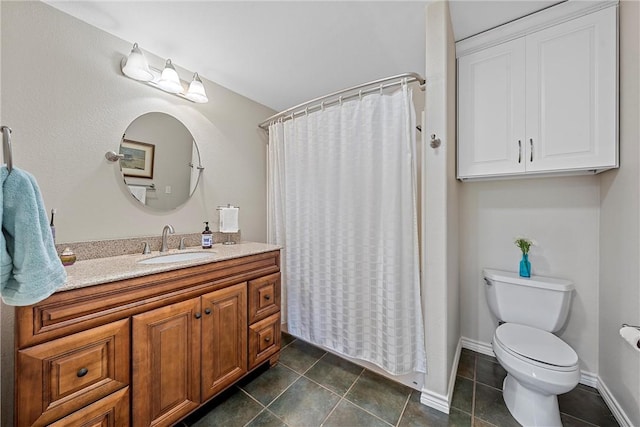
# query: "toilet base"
530, 407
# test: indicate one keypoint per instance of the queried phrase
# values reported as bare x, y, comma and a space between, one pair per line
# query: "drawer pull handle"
531, 145
267, 339
519, 151
198, 315
267, 297
207, 311
82, 372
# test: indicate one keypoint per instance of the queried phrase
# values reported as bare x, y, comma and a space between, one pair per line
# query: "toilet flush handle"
488, 282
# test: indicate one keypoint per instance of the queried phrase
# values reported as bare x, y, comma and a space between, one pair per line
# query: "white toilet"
539, 365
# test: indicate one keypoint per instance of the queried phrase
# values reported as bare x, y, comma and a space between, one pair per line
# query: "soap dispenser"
207, 237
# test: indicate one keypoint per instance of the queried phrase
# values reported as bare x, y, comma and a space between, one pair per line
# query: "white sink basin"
179, 257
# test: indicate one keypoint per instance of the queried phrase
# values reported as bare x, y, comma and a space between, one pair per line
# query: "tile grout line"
404, 408
324, 420
473, 391
255, 400
283, 391
345, 398
579, 419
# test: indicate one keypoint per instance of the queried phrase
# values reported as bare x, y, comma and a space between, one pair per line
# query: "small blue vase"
525, 266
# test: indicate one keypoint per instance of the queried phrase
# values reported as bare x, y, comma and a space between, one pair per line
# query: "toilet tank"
541, 302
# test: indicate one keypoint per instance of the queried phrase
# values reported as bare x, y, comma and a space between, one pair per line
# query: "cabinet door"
166, 363
61, 376
571, 94
224, 338
491, 116
111, 411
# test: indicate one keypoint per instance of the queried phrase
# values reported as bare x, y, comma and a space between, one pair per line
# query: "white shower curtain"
342, 203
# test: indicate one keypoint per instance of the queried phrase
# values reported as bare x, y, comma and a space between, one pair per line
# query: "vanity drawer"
67, 374
264, 297
264, 340
111, 411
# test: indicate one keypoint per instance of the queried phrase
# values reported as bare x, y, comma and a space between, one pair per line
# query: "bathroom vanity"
125, 343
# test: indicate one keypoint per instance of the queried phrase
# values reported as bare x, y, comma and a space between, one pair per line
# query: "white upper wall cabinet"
540, 101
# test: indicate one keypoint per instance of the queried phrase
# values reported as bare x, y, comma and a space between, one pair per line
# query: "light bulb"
169, 81
196, 92
136, 66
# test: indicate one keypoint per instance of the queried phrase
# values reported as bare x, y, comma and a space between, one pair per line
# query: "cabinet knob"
207, 311
519, 151
267, 339
267, 297
82, 372
198, 315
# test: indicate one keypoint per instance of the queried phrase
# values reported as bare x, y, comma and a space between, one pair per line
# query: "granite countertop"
104, 270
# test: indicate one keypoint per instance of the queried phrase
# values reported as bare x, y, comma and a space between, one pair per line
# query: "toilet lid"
536, 344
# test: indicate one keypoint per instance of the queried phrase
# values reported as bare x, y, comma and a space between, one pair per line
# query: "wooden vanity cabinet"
148, 350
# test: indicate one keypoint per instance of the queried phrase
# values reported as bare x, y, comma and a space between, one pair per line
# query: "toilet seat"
535, 346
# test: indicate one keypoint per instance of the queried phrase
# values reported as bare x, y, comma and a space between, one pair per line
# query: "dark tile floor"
310, 387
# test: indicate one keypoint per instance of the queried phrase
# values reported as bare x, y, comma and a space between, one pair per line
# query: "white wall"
440, 207
619, 368
68, 103
561, 215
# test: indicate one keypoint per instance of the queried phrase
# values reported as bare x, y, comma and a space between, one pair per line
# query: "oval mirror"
161, 166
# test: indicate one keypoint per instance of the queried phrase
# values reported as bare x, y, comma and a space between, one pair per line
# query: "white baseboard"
454, 371
613, 405
439, 401
477, 346
586, 378
589, 378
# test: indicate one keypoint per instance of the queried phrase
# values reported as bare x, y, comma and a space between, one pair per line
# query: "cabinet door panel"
64, 375
571, 94
166, 363
111, 411
224, 338
491, 116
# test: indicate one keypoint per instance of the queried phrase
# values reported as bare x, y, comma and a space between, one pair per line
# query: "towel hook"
6, 147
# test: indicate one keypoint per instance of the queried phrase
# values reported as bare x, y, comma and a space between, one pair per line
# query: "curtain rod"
320, 102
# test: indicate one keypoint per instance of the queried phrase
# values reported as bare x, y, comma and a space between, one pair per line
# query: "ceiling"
282, 53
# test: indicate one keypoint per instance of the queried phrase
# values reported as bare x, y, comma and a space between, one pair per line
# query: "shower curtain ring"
360, 94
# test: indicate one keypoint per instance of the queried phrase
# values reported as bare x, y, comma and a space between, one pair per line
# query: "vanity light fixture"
135, 66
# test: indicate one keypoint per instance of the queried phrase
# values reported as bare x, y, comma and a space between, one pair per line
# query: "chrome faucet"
166, 228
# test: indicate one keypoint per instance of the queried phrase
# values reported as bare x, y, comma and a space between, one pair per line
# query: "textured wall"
440, 209
68, 104
620, 232
561, 215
